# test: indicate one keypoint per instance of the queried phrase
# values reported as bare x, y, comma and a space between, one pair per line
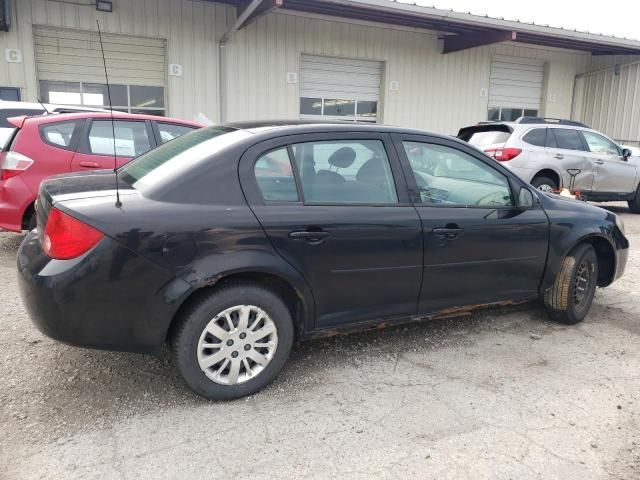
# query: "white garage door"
515, 87
340, 88
70, 69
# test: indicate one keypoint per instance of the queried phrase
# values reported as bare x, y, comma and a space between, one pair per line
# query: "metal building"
364, 60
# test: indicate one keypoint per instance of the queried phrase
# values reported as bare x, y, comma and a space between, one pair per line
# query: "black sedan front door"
335, 207
479, 247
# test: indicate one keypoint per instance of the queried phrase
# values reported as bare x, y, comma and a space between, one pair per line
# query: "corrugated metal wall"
436, 92
608, 98
191, 30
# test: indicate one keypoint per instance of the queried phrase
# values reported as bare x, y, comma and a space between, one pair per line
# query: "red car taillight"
503, 154
14, 163
66, 237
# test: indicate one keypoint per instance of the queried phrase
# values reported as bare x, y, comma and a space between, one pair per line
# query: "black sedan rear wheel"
569, 299
233, 342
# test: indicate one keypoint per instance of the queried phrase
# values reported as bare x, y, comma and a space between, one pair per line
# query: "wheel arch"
27, 214
549, 173
294, 292
605, 253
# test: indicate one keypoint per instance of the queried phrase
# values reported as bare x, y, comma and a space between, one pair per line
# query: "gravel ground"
502, 394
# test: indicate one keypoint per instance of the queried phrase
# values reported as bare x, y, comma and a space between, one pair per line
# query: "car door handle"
86, 164
559, 156
310, 236
599, 162
448, 233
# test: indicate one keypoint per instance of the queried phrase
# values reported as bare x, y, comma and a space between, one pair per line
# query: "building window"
339, 109
10, 94
124, 98
503, 114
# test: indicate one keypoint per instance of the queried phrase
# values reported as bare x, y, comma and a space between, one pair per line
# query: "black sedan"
233, 241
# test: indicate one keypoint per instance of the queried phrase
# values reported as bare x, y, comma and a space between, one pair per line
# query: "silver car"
553, 154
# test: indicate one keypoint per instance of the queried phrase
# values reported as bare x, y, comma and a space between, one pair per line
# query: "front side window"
131, 138
447, 176
564, 138
275, 177
169, 131
345, 172
599, 144
59, 133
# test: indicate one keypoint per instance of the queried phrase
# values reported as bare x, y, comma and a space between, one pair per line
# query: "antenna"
46, 111
113, 125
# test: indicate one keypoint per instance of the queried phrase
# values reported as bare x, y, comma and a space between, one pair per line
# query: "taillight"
66, 237
503, 154
14, 163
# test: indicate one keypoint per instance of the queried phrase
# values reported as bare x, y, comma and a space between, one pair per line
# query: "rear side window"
59, 134
345, 172
132, 138
565, 138
536, 137
169, 131
275, 177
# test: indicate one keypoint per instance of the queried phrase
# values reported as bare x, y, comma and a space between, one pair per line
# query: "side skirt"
380, 324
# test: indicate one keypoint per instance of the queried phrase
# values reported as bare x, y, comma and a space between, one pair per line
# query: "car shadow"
76, 389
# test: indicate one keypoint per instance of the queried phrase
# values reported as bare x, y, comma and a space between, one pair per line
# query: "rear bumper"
15, 198
110, 298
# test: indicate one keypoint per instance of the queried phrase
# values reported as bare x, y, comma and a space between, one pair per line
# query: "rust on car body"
451, 312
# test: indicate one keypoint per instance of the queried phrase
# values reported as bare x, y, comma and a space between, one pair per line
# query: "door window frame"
514, 183
156, 130
84, 146
618, 149
583, 141
251, 156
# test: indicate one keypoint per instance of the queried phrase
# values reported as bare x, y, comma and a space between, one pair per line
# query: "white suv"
552, 154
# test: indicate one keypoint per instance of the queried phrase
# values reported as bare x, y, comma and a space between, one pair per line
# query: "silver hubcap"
545, 188
237, 344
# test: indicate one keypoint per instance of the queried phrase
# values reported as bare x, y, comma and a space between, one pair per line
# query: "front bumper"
109, 298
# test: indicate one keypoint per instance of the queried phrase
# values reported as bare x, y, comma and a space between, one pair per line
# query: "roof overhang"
460, 30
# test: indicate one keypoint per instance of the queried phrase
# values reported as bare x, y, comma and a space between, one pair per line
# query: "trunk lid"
75, 186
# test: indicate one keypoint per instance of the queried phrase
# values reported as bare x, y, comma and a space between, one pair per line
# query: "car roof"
106, 115
285, 127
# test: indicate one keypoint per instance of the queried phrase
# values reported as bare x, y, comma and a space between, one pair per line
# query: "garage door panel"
516, 82
72, 55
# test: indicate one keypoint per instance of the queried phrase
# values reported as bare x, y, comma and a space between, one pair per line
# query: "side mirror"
525, 198
626, 153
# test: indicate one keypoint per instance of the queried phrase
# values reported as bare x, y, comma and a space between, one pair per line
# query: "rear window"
482, 135
173, 158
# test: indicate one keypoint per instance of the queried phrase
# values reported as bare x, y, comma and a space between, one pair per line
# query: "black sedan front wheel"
569, 299
233, 342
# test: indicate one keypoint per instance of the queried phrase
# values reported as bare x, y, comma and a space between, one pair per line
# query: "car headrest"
343, 157
372, 171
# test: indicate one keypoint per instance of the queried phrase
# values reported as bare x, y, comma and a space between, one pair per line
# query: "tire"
215, 382
634, 205
544, 183
563, 301
32, 223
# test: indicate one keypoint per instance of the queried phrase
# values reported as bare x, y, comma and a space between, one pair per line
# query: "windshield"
178, 155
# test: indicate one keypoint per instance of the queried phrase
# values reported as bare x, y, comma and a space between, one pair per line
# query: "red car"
51, 144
